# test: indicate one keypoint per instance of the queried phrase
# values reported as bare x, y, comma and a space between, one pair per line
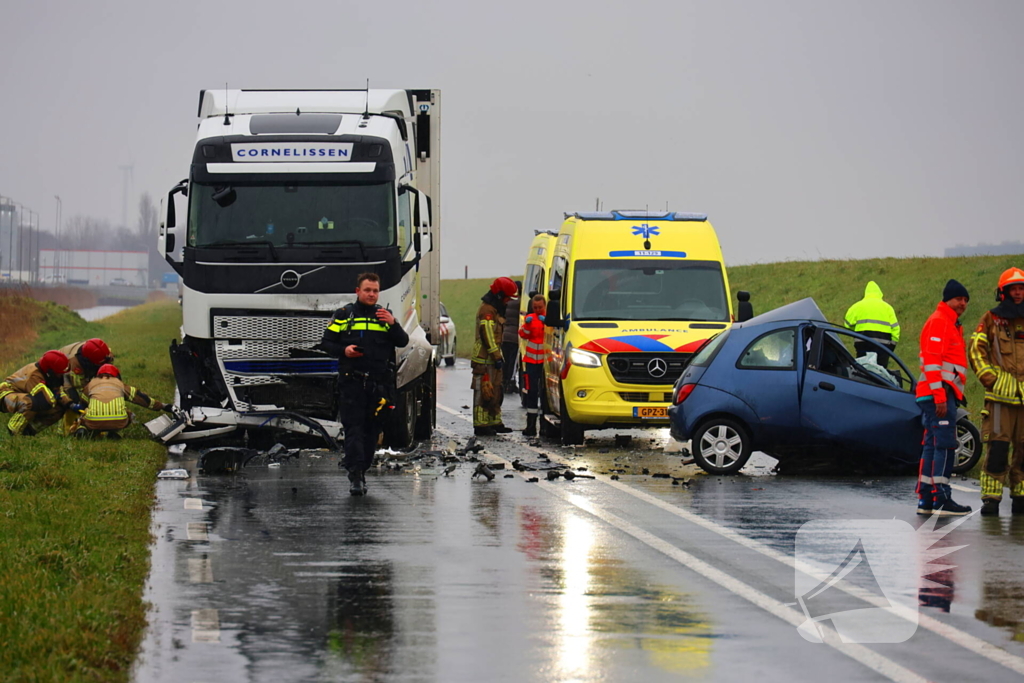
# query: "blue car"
802, 390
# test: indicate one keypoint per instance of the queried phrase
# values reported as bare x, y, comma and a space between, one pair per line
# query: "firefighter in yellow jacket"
104, 407
84, 359
487, 361
33, 394
997, 356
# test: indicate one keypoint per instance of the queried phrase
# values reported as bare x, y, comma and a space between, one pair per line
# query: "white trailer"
291, 195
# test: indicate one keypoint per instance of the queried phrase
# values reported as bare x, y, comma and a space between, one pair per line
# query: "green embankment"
912, 285
74, 517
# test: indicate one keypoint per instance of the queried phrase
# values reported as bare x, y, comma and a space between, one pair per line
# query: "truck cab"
290, 196
631, 296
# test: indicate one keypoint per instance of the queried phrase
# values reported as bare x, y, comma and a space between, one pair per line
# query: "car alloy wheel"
968, 450
721, 446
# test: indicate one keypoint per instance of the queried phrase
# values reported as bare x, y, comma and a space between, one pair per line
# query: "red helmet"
108, 369
95, 351
54, 362
505, 287
1010, 276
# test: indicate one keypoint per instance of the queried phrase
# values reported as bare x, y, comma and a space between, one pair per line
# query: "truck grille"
292, 329
647, 368
644, 397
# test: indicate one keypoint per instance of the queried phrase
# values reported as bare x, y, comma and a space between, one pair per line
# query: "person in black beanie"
996, 353
941, 389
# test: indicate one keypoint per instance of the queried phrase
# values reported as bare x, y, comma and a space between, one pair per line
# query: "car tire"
968, 453
721, 446
571, 432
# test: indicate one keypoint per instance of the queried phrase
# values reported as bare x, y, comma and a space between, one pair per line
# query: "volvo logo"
290, 279
657, 367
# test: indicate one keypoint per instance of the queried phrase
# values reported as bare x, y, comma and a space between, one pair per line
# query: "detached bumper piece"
201, 423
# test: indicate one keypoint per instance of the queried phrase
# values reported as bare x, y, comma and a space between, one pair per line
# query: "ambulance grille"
645, 368
644, 397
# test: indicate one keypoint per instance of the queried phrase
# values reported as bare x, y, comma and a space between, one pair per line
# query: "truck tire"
400, 427
571, 432
427, 418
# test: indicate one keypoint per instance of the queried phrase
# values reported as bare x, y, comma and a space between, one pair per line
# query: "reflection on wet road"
276, 573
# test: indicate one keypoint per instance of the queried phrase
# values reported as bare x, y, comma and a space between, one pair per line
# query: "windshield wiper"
243, 243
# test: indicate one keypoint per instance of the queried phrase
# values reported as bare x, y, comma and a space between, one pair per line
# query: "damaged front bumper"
202, 423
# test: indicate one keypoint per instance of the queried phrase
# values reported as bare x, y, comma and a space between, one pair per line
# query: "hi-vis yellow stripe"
368, 324
107, 412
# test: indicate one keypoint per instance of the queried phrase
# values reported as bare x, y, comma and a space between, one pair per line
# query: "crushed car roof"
804, 309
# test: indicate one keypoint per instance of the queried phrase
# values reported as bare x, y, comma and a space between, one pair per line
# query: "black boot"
1017, 507
357, 487
483, 431
989, 507
502, 429
531, 425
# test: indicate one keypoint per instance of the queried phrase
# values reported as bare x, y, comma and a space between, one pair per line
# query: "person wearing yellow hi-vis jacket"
996, 354
33, 394
104, 408
487, 360
873, 317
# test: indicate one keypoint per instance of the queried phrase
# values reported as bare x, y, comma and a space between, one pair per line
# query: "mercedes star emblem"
657, 367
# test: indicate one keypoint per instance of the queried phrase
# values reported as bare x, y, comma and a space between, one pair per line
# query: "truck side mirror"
423, 223
167, 240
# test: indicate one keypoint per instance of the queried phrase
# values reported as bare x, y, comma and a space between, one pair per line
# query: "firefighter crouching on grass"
103, 407
84, 359
533, 357
363, 336
34, 395
997, 357
487, 359
939, 391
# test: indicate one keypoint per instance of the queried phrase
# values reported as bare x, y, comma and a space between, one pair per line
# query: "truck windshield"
292, 215
673, 289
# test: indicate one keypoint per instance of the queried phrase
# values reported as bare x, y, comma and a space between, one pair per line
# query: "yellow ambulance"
631, 295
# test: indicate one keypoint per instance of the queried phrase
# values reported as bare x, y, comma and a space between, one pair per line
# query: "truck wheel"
721, 446
968, 452
427, 418
571, 432
400, 427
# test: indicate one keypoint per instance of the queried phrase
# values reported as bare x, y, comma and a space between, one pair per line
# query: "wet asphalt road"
277, 574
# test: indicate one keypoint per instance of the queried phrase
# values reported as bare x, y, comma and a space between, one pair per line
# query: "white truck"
291, 195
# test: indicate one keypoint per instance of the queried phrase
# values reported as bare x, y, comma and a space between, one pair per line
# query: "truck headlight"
584, 359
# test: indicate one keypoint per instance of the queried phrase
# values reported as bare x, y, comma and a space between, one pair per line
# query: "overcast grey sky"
804, 129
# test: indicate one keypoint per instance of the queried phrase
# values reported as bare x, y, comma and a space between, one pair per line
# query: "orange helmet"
505, 287
95, 351
54, 362
108, 369
1010, 276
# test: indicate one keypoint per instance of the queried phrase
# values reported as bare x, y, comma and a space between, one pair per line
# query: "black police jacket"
357, 324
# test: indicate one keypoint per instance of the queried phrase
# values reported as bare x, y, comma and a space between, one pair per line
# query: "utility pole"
56, 247
129, 179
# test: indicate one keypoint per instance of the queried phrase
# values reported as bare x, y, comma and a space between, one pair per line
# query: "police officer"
873, 317
364, 336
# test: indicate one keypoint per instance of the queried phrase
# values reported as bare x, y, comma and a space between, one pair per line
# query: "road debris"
173, 474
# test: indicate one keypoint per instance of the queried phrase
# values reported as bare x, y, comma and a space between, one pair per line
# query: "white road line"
205, 626
200, 570
197, 531
193, 503
961, 638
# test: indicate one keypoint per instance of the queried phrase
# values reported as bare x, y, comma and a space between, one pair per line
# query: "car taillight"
684, 391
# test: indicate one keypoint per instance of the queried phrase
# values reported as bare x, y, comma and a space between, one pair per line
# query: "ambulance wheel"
400, 427
571, 432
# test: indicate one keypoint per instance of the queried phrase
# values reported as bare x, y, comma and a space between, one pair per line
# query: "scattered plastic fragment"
173, 474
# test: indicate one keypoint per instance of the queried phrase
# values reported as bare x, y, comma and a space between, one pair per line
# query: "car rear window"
707, 353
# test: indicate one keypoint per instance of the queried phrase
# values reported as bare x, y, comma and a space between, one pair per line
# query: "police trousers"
362, 407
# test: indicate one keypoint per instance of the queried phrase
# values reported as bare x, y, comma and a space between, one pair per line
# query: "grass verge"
74, 517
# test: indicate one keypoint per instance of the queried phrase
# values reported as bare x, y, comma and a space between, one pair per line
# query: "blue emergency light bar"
635, 215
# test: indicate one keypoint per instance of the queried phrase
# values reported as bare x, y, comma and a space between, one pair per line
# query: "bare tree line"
80, 232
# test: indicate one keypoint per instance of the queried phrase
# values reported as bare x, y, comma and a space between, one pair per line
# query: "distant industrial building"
129, 268
1003, 249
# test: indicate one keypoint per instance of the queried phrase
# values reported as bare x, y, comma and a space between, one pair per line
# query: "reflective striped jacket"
31, 380
872, 314
533, 332
106, 398
943, 355
486, 349
996, 352
357, 324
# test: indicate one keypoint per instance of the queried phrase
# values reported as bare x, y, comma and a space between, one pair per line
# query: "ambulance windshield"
670, 289
292, 215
